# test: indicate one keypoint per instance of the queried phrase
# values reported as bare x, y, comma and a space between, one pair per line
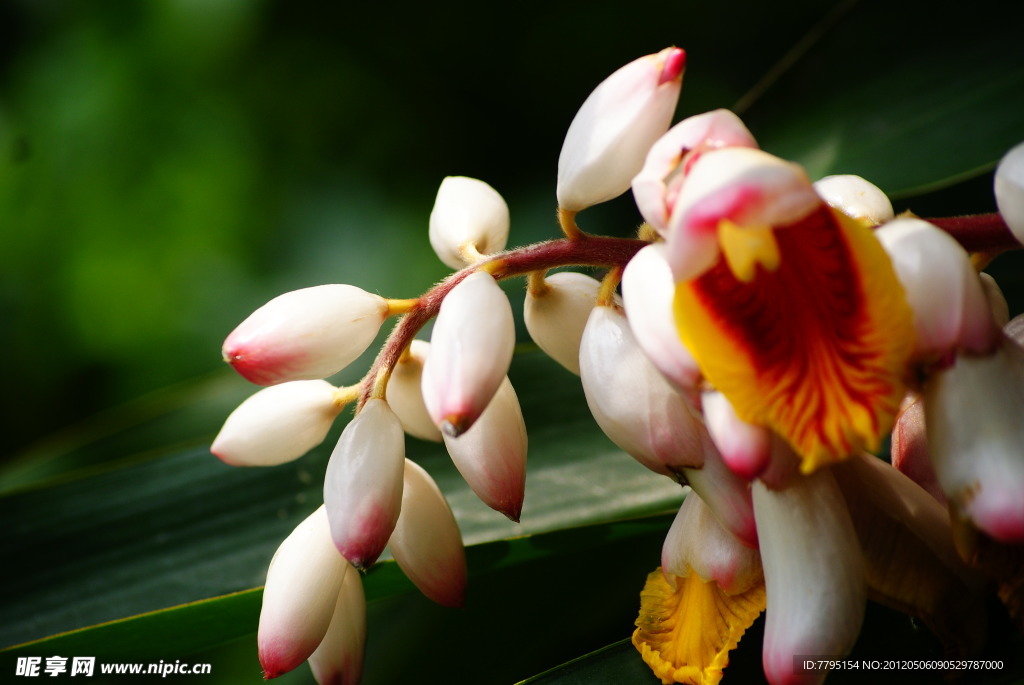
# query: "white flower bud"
813, 572
363, 483
491, 456
555, 318
631, 401
305, 334
278, 424
426, 543
339, 658
951, 310
657, 186
855, 197
1009, 189
468, 216
975, 433
608, 139
647, 292
405, 394
303, 583
470, 352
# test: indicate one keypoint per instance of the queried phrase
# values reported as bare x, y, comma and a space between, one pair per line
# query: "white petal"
426, 543
305, 334
996, 300
631, 401
814, 575
746, 186
745, 447
975, 433
491, 456
303, 582
1009, 189
405, 393
555, 318
855, 197
951, 310
471, 349
697, 540
724, 493
608, 139
277, 424
467, 212
656, 187
339, 658
363, 483
647, 292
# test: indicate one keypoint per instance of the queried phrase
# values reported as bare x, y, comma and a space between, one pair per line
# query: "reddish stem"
977, 233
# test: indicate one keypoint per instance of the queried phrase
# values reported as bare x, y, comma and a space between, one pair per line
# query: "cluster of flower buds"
769, 334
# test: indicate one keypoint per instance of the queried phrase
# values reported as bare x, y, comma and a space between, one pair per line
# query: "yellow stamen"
746, 247
687, 627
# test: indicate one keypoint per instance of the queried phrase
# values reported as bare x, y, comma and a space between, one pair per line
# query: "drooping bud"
657, 186
813, 572
277, 424
631, 401
608, 139
855, 197
405, 393
951, 311
469, 217
305, 334
491, 455
972, 417
426, 543
363, 483
647, 291
697, 540
1009, 189
556, 315
471, 349
339, 658
303, 583
745, 447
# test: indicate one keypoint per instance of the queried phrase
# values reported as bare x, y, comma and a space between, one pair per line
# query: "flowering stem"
982, 232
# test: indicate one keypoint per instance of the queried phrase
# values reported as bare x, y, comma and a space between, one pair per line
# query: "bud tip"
674, 64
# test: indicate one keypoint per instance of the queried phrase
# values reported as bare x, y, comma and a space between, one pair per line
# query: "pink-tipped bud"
608, 139
1009, 189
631, 401
303, 583
426, 543
855, 197
813, 572
470, 352
698, 541
339, 658
747, 187
724, 493
305, 334
469, 217
555, 317
657, 186
951, 310
647, 292
975, 433
405, 394
363, 483
277, 424
491, 456
745, 448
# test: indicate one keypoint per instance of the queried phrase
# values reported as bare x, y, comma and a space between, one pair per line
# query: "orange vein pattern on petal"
815, 349
687, 627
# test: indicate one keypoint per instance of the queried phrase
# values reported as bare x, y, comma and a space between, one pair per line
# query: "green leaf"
910, 100
144, 534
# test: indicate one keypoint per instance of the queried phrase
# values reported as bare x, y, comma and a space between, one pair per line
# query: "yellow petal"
687, 627
816, 348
